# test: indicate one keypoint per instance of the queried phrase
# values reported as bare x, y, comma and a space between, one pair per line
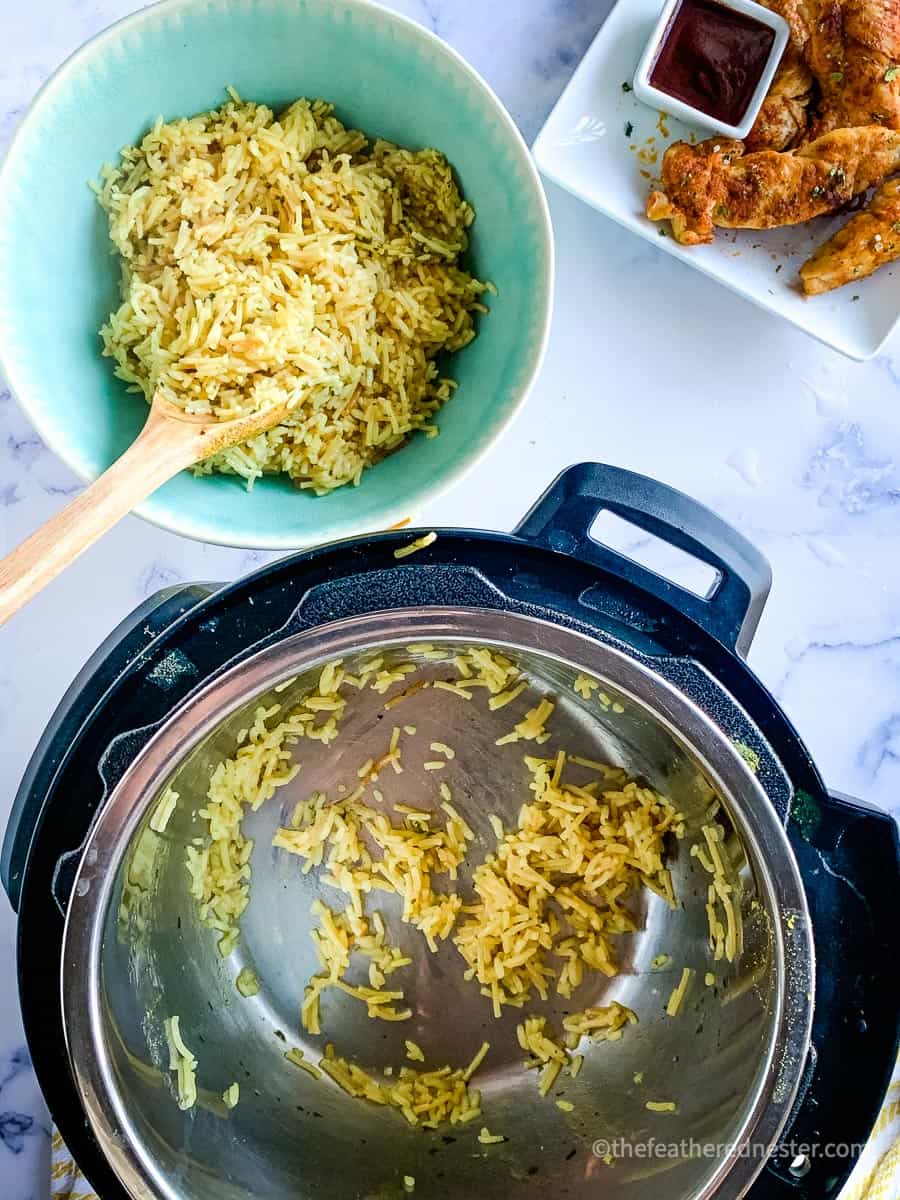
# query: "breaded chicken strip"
866, 242
853, 51
716, 183
799, 14
783, 117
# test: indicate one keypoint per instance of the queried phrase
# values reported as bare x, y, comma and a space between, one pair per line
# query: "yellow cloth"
875, 1177
877, 1174
66, 1181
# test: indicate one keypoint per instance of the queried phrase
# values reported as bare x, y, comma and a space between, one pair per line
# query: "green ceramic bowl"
386, 75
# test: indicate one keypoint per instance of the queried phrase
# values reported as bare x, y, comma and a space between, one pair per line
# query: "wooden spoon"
170, 441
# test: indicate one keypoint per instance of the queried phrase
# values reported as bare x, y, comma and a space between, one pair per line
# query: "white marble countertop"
650, 366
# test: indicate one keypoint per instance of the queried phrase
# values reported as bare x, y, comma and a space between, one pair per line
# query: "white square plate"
586, 149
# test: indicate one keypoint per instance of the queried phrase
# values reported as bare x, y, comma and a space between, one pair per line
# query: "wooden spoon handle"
161, 451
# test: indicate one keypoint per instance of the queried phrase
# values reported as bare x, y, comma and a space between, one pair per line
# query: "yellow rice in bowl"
268, 259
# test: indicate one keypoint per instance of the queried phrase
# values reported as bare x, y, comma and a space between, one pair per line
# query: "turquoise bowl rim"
389, 516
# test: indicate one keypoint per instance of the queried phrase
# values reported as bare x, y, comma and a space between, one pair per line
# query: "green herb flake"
806, 814
749, 755
626, 87
891, 73
662, 232
896, 227
817, 192
629, 129
721, 212
836, 76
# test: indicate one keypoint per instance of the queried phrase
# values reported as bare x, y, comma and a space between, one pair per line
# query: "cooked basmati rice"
550, 1055
722, 900
332, 833
384, 680
399, 697
182, 1062
264, 762
425, 1098
556, 886
340, 935
247, 982
477, 1061
489, 1139
533, 1037
503, 698
163, 811
270, 260
673, 1007
585, 686
531, 727
413, 547
295, 1056
549, 1075
603, 1024
495, 671
456, 688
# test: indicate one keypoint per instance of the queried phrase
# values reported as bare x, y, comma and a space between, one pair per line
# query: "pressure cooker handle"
563, 518
849, 857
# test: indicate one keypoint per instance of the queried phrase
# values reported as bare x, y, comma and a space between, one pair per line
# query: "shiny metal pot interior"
135, 953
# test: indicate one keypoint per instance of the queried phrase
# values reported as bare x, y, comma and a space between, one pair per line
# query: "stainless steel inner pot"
135, 953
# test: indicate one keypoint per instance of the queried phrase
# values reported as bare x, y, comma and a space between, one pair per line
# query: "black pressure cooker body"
550, 568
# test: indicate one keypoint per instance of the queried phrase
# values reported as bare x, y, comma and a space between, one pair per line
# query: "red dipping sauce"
713, 58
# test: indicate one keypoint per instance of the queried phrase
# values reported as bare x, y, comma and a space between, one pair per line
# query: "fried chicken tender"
849, 48
853, 51
716, 183
783, 118
799, 14
866, 242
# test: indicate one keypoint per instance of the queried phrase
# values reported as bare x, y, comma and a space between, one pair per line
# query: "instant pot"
781, 1067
